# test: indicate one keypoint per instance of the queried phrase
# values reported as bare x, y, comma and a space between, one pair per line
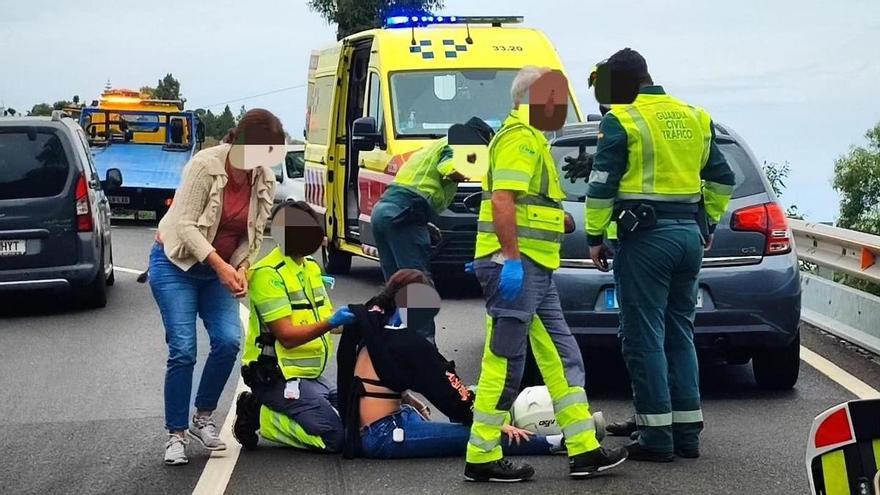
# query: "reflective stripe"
576, 397
512, 175
576, 429
647, 149
524, 232
319, 292
489, 419
695, 416
481, 444
302, 362
296, 296
663, 419
271, 305
599, 203
669, 198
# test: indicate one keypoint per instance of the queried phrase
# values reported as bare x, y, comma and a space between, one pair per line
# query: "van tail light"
83, 209
768, 219
168, 202
834, 429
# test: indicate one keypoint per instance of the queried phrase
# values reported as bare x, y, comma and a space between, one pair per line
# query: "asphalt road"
82, 412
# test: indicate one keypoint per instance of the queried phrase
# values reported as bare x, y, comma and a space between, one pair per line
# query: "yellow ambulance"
377, 96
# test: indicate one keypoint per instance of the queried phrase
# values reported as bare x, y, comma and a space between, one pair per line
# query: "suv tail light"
83, 209
768, 219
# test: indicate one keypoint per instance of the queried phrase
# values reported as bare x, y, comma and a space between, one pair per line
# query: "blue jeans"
423, 438
181, 295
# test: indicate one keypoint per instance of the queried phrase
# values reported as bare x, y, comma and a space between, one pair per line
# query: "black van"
54, 215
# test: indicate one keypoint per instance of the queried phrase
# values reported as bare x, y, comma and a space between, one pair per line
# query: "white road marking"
218, 470
127, 270
861, 389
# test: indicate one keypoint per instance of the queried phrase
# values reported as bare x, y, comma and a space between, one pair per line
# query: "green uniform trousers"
535, 318
656, 272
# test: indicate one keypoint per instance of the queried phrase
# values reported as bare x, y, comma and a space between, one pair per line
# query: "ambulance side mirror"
365, 134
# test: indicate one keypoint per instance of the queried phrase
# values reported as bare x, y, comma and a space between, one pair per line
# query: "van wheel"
94, 295
777, 369
336, 262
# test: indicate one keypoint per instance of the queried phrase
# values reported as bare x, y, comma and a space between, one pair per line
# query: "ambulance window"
375, 108
319, 110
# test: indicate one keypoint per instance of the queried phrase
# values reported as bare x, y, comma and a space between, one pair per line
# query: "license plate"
612, 303
146, 215
119, 200
12, 247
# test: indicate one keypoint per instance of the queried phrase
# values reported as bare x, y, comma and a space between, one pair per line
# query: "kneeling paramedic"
287, 347
424, 187
659, 173
520, 227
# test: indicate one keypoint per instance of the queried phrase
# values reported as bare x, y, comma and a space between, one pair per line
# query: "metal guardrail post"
841, 250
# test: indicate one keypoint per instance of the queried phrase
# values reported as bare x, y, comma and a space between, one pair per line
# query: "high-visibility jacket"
668, 146
520, 161
425, 173
281, 288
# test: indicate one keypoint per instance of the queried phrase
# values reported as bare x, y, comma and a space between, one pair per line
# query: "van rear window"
32, 165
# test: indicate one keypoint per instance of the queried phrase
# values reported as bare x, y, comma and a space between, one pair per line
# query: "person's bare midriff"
372, 408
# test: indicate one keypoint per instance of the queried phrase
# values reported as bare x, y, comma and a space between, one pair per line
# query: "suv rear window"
748, 178
32, 164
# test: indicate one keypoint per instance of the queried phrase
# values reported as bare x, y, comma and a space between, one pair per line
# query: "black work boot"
623, 428
687, 453
247, 420
502, 471
639, 453
595, 462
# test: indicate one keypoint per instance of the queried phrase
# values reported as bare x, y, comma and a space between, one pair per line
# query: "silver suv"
54, 215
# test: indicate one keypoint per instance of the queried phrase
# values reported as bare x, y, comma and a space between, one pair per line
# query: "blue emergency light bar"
407, 21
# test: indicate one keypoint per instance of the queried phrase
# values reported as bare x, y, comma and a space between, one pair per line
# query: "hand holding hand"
343, 316
599, 255
511, 282
241, 276
230, 279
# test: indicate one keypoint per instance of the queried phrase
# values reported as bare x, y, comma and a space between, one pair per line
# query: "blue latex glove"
469, 267
395, 320
511, 279
343, 316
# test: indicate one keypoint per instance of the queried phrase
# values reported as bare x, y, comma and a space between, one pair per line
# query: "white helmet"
533, 411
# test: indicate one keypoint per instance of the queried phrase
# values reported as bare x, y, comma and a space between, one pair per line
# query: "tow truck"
149, 140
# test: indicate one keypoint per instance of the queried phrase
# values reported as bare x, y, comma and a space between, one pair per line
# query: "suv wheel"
94, 295
336, 262
777, 369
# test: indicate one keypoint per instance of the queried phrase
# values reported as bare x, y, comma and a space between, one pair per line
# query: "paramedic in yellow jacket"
287, 347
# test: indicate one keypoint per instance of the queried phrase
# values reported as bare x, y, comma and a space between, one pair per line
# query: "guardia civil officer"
520, 227
659, 174
425, 186
287, 348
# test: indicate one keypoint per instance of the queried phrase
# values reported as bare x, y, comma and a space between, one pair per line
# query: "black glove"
578, 167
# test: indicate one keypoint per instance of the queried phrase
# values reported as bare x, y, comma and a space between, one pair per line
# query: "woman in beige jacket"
205, 244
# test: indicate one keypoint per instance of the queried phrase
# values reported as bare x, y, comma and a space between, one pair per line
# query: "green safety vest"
308, 302
540, 219
425, 174
668, 144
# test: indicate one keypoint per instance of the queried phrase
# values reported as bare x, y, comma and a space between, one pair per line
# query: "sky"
795, 78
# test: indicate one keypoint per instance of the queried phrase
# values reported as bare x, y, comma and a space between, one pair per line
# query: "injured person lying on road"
382, 360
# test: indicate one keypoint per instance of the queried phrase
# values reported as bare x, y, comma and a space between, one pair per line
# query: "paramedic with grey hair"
519, 230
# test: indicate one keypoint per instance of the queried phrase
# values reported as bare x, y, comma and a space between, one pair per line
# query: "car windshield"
427, 103
748, 178
32, 165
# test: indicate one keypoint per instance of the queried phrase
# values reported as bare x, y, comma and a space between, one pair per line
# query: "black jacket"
403, 361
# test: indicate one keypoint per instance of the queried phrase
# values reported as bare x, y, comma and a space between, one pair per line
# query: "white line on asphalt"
127, 270
218, 469
861, 389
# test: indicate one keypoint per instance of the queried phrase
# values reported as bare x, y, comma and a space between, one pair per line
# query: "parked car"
54, 216
289, 175
750, 296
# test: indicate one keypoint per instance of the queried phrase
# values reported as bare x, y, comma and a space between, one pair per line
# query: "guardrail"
848, 313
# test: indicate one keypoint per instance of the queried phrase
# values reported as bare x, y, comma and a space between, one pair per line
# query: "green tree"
352, 16
241, 112
59, 105
10, 112
857, 179
225, 122
777, 173
41, 110
148, 91
168, 88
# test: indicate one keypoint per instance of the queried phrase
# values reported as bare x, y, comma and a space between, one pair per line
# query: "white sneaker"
175, 451
205, 431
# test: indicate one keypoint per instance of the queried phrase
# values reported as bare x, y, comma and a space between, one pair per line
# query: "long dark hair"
400, 279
